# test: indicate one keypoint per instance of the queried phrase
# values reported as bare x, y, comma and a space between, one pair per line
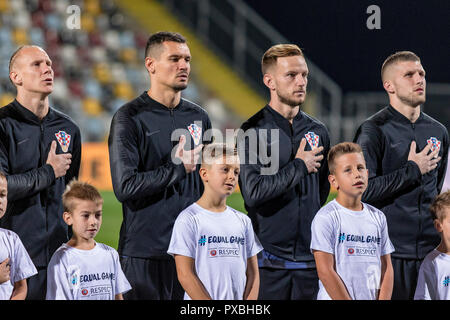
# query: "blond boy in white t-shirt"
349, 238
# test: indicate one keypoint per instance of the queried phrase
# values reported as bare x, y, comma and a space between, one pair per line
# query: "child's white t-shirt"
357, 239
22, 266
434, 277
220, 243
75, 274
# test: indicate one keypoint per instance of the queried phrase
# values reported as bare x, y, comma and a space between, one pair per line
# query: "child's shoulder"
106, 248
375, 212
190, 212
5, 233
238, 214
329, 209
433, 255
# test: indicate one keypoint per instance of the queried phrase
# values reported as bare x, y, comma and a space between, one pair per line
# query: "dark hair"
340, 149
160, 37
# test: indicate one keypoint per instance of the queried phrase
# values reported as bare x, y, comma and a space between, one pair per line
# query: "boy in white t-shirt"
214, 245
16, 265
349, 238
434, 275
83, 269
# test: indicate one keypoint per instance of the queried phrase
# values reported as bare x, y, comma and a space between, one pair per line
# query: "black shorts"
37, 285
406, 272
151, 279
288, 284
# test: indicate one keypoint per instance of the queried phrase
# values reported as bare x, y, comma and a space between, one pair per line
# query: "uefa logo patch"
213, 253
313, 139
63, 140
84, 292
196, 132
351, 251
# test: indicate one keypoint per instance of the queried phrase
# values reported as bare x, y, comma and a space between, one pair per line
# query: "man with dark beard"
406, 152
153, 183
283, 203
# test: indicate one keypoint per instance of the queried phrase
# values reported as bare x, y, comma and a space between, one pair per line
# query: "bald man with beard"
40, 152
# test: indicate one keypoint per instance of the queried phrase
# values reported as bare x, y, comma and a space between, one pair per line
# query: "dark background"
334, 35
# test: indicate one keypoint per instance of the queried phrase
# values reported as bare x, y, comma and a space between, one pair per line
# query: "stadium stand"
98, 67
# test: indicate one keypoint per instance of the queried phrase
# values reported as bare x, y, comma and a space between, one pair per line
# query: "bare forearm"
252, 285
387, 282
194, 287
20, 290
334, 286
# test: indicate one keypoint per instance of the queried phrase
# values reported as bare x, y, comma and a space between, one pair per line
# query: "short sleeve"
323, 237
22, 266
121, 285
253, 246
183, 240
59, 286
386, 246
422, 290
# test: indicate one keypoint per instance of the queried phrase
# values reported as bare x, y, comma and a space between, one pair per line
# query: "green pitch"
112, 216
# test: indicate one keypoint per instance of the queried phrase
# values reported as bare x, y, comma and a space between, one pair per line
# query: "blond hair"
81, 191
213, 151
278, 51
339, 150
440, 203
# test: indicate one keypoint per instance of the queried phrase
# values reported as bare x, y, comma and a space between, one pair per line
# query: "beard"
293, 102
412, 100
179, 86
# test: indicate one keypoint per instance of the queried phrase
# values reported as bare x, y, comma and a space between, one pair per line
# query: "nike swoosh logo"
395, 145
25, 140
148, 134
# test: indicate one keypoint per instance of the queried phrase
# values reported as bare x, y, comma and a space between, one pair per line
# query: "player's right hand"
189, 158
59, 162
426, 162
5, 271
310, 158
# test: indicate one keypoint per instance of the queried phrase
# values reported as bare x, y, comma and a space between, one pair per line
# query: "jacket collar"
282, 122
27, 115
155, 104
400, 117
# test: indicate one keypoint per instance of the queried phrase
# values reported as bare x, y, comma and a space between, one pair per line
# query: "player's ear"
438, 225
203, 172
67, 217
150, 64
15, 78
268, 81
388, 86
333, 181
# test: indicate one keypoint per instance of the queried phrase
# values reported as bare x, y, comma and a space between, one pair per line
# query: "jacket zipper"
44, 198
418, 204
